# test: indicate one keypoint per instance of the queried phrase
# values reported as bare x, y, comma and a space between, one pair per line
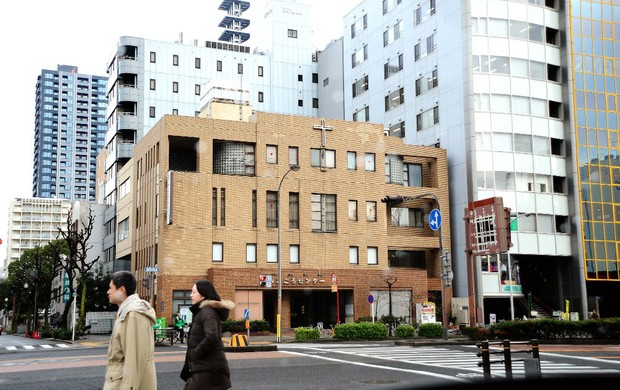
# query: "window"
426, 83
369, 162
175, 60
260, 71
293, 252
214, 206
272, 209
393, 66
427, 118
323, 208
420, 50
397, 130
123, 229
293, 155
151, 112
218, 66
175, 87
323, 158
153, 57
373, 255
389, 5
197, 89
360, 86
352, 161
371, 211
411, 217
394, 99
175, 111
254, 209
272, 253
292, 33
250, 253
315, 78
197, 63
393, 33
406, 259
353, 210
359, 25
315, 103
223, 207
272, 154
300, 103
260, 97
218, 252
326, 82
293, 210
362, 115
412, 175
424, 11
240, 68
300, 77
152, 84
353, 255
222, 150
359, 56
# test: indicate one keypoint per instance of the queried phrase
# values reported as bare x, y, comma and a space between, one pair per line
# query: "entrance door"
311, 306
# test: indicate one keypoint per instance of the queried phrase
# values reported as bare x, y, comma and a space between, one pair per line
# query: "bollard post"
532, 366
507, 360
486, 360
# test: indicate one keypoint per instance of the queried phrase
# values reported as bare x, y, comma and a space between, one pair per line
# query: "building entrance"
311, 306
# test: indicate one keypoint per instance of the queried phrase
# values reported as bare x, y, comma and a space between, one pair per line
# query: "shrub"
63, 334
430, 330
361, 331
236, 326
306, 333
405, 330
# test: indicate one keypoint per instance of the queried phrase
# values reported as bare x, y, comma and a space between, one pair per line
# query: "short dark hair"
124, 279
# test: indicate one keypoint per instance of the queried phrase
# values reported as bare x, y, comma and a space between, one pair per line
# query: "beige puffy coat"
131, 364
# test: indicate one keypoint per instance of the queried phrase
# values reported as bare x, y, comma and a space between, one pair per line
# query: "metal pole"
73, 319
512, 305
279, 314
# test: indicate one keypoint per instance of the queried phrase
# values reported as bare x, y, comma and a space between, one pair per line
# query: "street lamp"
26, 285
512, 303
279, 315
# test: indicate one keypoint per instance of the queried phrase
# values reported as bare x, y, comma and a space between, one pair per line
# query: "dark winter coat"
206, 366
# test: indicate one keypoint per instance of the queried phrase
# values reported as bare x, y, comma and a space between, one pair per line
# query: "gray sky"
38, 35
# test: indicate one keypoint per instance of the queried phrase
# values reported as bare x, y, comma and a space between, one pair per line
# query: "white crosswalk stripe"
463, 360
34, 347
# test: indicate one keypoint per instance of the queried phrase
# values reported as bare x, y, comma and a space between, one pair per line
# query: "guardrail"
531, 364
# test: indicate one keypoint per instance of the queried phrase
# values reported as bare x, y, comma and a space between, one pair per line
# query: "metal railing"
531, 364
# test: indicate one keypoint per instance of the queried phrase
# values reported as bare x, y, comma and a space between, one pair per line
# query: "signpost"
335, 289
434, 219
371, 299
246, 315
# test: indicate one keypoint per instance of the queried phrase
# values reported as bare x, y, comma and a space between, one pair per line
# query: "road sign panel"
434, 219
246, 314
151, 269
371, 299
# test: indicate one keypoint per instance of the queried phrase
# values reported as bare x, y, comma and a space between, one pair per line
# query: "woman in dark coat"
206, 366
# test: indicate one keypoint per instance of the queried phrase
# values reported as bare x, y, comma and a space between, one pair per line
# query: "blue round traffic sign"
371, 299
434, 219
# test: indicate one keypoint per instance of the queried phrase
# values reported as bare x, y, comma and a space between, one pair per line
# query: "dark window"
153, 57
300, 77
197, 62
315, 78
239, 68
300, 103
260, 71
152, 112
219, 66
315, 103
292, 33
406, 259
260, 97
175, 60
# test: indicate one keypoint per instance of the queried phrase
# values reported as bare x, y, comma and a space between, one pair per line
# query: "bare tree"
77, 235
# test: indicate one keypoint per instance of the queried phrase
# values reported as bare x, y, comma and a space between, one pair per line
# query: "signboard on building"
425, 313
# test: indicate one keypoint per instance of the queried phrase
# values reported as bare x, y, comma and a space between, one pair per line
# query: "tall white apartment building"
523, 94
148, 79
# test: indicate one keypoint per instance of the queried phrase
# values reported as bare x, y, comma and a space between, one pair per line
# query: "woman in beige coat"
131, 364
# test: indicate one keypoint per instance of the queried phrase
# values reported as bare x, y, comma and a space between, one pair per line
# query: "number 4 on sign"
434, 219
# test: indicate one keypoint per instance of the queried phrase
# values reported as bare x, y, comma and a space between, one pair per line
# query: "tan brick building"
204, 194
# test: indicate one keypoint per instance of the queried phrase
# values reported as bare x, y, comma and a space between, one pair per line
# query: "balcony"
124, 150
127, 120
128, 93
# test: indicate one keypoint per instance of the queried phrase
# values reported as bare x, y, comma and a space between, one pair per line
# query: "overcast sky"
38, 35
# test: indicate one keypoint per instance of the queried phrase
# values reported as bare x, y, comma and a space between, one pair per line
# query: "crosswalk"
34, 347
466, 362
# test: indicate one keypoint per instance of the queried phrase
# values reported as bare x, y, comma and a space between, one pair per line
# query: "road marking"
46, 346
28, 346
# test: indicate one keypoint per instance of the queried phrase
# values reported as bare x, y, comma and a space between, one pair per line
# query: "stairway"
539, 309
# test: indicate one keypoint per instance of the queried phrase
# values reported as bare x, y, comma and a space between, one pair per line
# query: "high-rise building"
70, 128
151, 78
524, 96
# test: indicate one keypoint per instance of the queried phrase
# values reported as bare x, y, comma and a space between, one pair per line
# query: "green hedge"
307, 333
235, 326
607, 328
430, 330
361, 331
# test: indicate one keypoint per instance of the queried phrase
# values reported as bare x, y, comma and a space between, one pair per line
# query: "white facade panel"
521, 124
554, 92
546, 244
558, 166
519, 49
528, 243
540, 126
556, 129
560, 204
526, 201
544, 203
503, 162
483, 121
563, 245
501, 122
523, 162
536, 51
542, 165
499, 46
481, 83
538, 88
